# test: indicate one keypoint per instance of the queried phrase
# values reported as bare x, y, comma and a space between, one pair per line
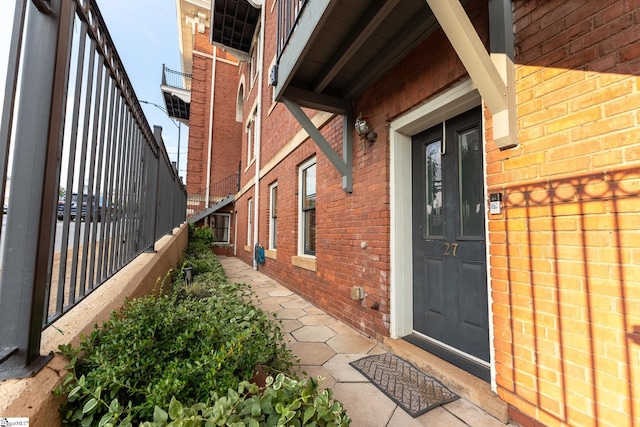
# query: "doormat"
411, 389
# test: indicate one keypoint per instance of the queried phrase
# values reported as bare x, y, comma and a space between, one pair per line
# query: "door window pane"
471, 183
220, 227
433, 208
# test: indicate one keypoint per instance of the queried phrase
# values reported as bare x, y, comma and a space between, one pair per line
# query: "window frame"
254, 57
240, 101
273, 216
252, 136
227, 224
249, 221
302, 250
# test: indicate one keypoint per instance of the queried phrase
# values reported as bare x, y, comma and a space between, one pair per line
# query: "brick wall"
250, 89
346, 220
198, 125
564, 254
226, 132
199, 115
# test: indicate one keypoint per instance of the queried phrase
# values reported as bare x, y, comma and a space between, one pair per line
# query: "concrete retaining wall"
31, 397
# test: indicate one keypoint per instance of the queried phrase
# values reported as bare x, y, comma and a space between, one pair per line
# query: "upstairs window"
252, 136
240, 104
254, 57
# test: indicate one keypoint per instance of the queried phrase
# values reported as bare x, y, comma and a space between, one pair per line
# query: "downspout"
235, 232
210, 142
258, 143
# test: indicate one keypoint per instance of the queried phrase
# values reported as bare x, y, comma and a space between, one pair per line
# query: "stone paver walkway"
325, 346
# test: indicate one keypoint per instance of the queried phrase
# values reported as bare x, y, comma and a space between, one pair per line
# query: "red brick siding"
346, 220
249, 98
278, 125
198, 124
226, 133
564, 254
241, 230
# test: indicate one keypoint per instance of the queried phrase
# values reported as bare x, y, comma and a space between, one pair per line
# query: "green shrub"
170, 346
205, 267
199, 257
198, 344
201, 234
284, 401
196, 249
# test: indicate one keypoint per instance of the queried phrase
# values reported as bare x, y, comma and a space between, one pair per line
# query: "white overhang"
190, 14
492, 76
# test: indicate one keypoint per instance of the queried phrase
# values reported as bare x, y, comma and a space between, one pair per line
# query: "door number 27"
450, 249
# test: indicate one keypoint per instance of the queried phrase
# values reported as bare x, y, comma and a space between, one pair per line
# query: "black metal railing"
208, 197
89, 183
288, 13
175, 79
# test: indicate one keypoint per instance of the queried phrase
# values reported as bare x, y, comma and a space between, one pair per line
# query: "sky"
145, 34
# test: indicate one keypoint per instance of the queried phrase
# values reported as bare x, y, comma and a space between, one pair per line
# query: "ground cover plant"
197, 345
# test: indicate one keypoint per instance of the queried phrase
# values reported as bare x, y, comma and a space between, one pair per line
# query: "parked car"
96, 202
61, 206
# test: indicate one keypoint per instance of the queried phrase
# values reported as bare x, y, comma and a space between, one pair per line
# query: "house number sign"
450, 249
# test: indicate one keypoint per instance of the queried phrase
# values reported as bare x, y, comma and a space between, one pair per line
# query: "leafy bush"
284, 401
207, 273
199, 344
168, 346
199, 257
201, 234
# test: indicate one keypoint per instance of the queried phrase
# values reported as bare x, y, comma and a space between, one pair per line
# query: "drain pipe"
210, 141
256, 189
235, 232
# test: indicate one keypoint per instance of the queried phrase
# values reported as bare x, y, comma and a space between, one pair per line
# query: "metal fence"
87, 184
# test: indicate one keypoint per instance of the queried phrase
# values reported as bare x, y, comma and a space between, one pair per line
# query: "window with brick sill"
273, 216
252, 137
307, 210
249, 221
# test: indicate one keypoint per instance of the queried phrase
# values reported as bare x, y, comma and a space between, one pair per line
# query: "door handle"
443, 143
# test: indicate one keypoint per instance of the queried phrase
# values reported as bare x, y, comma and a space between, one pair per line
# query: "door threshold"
466, 385
473, 365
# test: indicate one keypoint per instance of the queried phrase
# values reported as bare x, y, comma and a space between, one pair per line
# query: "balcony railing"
175, 78
208, 197
288, 13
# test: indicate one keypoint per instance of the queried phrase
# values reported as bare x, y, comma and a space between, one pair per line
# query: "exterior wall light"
364, 131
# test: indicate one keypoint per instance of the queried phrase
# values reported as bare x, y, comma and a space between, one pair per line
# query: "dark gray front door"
449, 261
